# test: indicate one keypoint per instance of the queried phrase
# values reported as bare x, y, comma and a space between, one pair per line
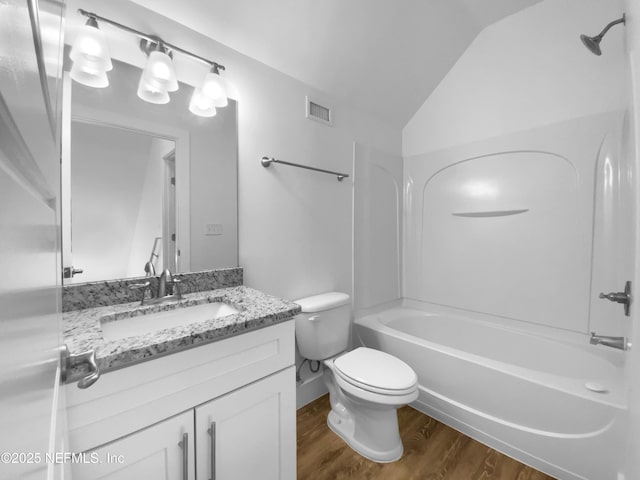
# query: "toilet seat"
376, 372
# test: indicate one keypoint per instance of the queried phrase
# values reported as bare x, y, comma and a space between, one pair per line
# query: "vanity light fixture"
159, 72
158, 77
210, 94
150, 94
90, 56
201, 105
213, 87
92, 61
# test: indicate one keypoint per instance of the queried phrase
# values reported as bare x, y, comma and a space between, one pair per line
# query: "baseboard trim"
309, 390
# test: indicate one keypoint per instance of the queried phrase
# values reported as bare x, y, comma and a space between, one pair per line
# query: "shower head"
593, 43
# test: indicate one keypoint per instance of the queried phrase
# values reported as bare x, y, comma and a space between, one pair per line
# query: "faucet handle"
620, 297
176, 288
141, 286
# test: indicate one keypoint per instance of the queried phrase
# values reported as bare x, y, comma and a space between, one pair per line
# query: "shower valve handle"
620, 297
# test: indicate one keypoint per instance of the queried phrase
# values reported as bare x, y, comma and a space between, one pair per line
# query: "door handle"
69, 272
68, 361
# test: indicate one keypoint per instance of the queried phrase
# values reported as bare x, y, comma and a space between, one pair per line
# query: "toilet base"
369, 428
344, 428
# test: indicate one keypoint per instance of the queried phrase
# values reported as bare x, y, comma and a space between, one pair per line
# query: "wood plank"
432, 451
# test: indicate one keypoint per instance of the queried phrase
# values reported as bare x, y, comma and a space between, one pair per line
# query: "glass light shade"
90, 48
159, 72
214, 87
89, 76
150, 94
201, 105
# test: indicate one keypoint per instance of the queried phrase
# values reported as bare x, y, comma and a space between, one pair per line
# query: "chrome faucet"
165, 278
614, 342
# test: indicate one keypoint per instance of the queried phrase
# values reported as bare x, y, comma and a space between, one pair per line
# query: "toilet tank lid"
324, 301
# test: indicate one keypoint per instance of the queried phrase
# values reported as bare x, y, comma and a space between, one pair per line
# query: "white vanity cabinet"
133, 419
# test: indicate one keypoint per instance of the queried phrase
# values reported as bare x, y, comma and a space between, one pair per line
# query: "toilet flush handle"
313, 318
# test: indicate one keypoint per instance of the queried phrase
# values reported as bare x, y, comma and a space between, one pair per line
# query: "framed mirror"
145, 186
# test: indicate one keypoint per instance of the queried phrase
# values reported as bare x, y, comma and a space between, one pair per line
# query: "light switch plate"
213, 229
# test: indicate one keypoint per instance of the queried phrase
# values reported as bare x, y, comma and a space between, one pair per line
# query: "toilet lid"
373, 368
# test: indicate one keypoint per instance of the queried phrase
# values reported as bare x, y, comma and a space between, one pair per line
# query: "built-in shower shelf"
490, 213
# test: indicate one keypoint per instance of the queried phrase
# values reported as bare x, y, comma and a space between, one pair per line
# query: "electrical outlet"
213, 229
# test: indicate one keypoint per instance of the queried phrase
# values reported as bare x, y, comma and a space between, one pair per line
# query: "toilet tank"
322, 328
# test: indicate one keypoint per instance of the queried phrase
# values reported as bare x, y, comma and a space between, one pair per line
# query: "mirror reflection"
134, 234
145, 186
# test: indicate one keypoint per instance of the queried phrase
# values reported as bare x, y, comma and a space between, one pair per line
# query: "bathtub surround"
498, 225
377, 228
114, 292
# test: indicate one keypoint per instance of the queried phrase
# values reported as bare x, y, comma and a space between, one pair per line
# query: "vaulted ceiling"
383, 57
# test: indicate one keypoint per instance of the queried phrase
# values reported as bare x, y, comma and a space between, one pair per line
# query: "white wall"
213, 190
525, 71
295, 225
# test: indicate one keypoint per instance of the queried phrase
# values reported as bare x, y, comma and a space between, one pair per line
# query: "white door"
164, 451
249, 433
30, 279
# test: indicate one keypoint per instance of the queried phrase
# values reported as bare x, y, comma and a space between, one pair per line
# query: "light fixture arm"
149, 38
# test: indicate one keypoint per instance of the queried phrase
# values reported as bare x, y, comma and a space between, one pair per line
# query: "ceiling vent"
319, 113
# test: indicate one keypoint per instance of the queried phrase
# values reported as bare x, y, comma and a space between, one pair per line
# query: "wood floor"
432, 451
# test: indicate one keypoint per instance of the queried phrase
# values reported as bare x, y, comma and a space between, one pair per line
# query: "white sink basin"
142, 322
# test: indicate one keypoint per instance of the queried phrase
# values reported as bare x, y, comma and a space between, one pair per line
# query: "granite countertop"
82, 328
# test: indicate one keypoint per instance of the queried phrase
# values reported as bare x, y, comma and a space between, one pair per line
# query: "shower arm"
611, 24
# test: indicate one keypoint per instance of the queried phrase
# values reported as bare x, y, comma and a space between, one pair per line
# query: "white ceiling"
383, 57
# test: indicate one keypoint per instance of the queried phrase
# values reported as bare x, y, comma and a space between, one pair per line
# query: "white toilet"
366, 386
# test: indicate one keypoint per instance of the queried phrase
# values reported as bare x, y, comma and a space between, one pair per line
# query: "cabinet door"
249, 433
157, 453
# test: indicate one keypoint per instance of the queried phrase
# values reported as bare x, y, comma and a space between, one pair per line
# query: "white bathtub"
518, 392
